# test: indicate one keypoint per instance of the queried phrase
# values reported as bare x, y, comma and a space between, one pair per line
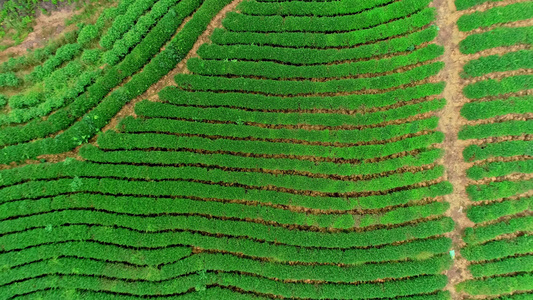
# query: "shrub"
91, 56
9, 79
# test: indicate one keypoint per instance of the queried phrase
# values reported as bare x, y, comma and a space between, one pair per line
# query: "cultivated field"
254, 149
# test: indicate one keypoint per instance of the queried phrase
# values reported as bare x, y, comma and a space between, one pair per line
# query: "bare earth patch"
46, 27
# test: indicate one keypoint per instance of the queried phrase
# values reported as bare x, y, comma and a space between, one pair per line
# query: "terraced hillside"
497, 82
254, 149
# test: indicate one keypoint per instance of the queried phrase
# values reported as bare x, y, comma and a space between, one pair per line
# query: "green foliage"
493, 211
123, 23
63, 54
232, 161
498, 37
482, 234
341, 23
498, 189
276, 87
324, 40
29, 99
464, 4
500, 107
498, 285
87, 34
493, 87
522, 59
500, 14
506, 265
498, 249
503, 149
150, 140
137, 32
91, 56
208, 99
3, 100
307, 8
500, 168
307, 56
348, 137
9, 79
273, 70
508, 128
224, 114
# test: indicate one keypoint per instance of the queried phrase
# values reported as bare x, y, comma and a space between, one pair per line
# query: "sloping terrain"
294, 149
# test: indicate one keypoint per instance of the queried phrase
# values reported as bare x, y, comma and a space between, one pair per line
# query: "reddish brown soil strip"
494, 51
510, 177
450, 124
498, 75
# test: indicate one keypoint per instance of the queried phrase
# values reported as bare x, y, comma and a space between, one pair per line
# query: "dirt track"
450, 123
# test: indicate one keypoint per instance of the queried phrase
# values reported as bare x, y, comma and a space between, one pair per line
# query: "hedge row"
63, 54
500, 168
310, 56
500, 107
103, 246
245, 283
37, 56
256, 179
158, 67
137, 32
234, 161
123, 23
283, 87
325, 40
464, 4
200, 190
498, 37
507, 128
498, 189
149, 140
145, 206
493, 87
339, 23
91, 31
153, 109
503, 149
13, 135
347, 137
273, 70
498, 249
485, 233
226, 263
9, 79
174, 95
506, 265
308, 8
210, 292
28, 99
493, 211
497, 285
521, 59
178, 226
497, 15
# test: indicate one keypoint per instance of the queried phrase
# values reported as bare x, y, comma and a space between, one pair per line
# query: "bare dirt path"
181, 67
450, 123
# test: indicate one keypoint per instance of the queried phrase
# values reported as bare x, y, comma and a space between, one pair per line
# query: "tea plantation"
269, 149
